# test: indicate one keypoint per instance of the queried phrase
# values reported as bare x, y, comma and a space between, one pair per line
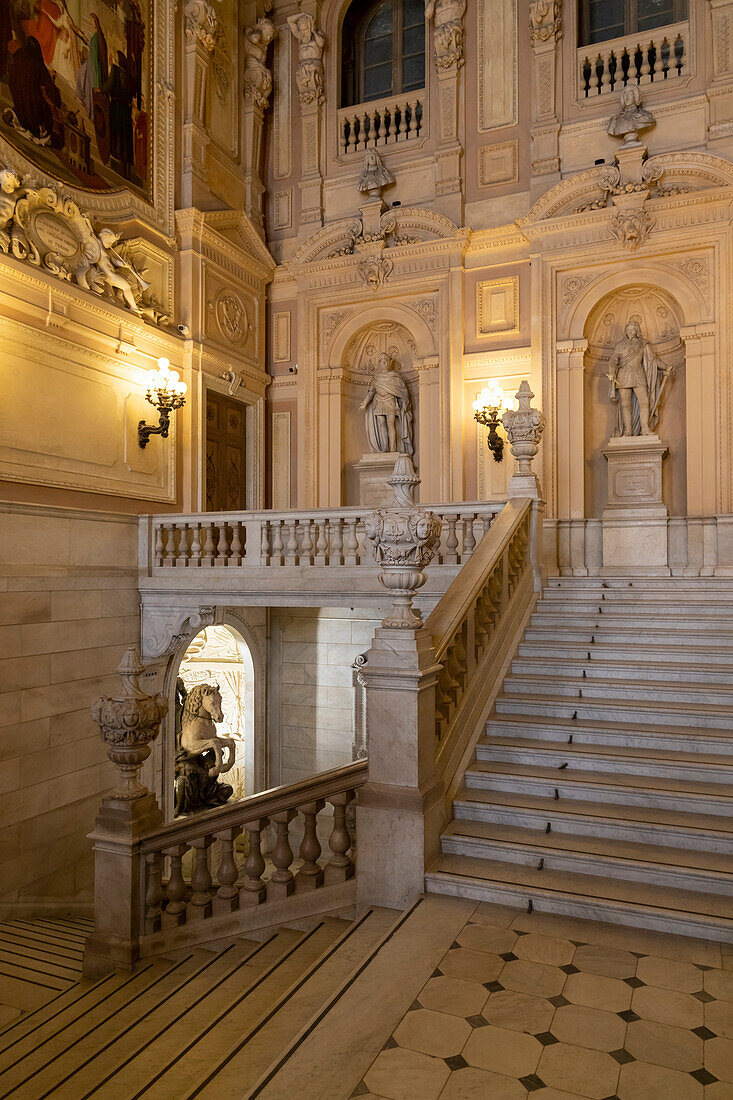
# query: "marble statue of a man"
388, 409
637, 378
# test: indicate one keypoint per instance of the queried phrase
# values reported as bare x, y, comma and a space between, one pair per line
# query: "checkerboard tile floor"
556, 1008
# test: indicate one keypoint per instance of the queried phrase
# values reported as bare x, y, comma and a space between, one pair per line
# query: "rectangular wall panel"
497, 64
281, 461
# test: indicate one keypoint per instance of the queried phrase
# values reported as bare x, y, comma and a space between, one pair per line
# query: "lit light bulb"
491, 397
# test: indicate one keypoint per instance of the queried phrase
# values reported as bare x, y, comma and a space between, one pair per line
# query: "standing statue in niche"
638, 377
388, 409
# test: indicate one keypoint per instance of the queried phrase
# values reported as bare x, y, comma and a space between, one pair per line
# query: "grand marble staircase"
603, 784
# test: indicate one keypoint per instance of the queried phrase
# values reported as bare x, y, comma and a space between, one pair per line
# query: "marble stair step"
190, 1021
704, 872
610, 788
686, 660
673, 604
713, 743
627, 635
623, 619
582, 667
612, 710
683, 912
640, 824
575, 586
613, 759
651, 691
252, 1048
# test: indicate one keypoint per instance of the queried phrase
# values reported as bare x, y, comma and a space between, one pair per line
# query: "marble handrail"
472, 610
321, 537
173, 898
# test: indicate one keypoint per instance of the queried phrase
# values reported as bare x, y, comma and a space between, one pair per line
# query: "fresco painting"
75, 89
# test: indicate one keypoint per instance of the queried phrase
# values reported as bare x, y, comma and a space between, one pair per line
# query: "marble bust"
637, 378
388, 409
632, 118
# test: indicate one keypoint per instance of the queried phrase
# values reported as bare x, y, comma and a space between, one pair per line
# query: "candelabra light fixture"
166, 392
487, 410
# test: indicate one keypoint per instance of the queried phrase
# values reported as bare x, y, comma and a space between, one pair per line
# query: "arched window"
603, 20
383, 50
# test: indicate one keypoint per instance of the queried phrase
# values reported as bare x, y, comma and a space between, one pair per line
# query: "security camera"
184, 330
293, 370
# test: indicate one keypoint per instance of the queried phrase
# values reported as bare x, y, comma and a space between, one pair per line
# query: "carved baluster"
209, 544
153, 893
237, 547
265, 544
486, 522
306, 545
175, 543
322, 542
291, 542
310, 875
402, 136
160, 542
340, 866
469, 539
175, 910
277, 542
351, 543
225, 542
200, 903
282, 882
227, 896
195, 555
356, 126
254, 889
450, 557
412, 120
367, 131
334, 557
645, 74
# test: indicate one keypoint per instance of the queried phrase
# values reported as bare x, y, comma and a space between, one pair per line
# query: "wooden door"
226, 454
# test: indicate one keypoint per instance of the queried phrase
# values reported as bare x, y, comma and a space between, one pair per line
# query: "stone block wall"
68, 609
311, 702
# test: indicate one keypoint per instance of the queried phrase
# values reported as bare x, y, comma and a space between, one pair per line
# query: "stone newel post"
127, 725
399, 813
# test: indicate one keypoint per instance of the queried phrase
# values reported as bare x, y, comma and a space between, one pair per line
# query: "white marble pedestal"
635, 518
373, 471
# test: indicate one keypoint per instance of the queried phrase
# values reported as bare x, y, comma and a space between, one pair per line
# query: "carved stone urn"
404, 539
128, 725
524, 427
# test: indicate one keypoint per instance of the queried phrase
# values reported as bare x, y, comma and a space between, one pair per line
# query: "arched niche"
360, 354
232, 645
661, 318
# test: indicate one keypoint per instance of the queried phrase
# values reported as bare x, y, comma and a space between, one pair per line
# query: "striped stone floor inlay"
38, 960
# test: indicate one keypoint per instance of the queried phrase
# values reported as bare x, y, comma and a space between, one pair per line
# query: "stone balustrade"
322, 537
186, 883
391, 121
654, 58
469, 615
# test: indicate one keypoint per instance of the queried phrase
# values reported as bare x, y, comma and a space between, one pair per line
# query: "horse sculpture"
201, 710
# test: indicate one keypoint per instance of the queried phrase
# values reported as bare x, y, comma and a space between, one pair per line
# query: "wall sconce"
487, 409
166, 392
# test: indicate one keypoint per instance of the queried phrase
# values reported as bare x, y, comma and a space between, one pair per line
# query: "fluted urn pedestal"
635, 518
128, 724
